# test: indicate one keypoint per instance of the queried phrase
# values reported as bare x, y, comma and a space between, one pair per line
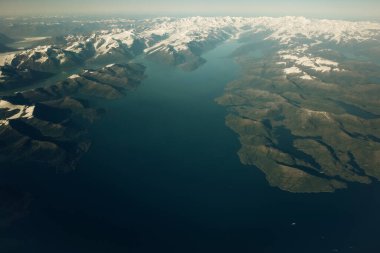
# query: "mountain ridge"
182, 41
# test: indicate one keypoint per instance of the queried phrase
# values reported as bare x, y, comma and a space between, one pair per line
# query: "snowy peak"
42, 58
181, 41
178, 33
102, 42
286, 29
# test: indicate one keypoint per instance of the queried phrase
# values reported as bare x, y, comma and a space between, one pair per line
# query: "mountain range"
181, 42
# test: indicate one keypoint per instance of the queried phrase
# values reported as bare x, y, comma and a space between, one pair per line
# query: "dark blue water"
163, 176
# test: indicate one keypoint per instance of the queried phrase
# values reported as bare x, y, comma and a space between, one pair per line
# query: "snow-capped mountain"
102, 44
181, 41
181, 34
45, 58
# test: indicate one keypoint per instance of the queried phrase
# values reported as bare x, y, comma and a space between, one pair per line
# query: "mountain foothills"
48, 125
305, 106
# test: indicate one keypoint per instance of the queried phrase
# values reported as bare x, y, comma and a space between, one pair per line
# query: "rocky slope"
48, 125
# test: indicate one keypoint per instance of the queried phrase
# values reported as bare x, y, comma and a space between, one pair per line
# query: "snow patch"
21, 111
306, 76
292, 70
42, 59
74, 76
6, 58
314, 63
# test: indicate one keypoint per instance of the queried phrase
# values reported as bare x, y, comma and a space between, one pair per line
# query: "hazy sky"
313, 8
